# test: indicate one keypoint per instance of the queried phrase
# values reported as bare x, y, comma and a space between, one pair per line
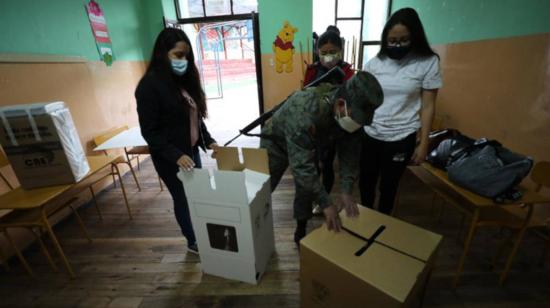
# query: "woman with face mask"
408, 71
329, 51
171, 106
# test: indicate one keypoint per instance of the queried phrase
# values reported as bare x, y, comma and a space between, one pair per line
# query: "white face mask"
179, 66
330, 60
346, 122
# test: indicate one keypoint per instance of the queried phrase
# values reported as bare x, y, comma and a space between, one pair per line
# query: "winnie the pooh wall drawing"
284, 49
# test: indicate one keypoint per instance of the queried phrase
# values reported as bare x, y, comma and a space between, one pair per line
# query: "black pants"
385, 161
168, 173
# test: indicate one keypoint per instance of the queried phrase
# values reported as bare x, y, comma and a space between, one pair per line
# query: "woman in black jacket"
171, 106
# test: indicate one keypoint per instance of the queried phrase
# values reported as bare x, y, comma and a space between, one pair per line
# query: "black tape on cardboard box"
369, 241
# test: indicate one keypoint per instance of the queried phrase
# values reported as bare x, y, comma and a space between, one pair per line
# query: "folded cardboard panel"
376, 261
42, 145
232, 216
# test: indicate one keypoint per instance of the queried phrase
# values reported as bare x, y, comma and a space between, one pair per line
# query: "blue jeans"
168, 173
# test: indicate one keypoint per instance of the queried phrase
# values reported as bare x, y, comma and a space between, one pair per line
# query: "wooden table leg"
517, 242
56, 244
18, 253
473, 225
95, 203
123, 191
81, 223
44, 250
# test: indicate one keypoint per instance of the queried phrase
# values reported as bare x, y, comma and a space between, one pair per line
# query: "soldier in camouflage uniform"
322, 115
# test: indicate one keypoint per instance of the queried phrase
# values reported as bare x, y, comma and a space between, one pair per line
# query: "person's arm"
430, 85
427, 113
301, 158
348, 160
148, 109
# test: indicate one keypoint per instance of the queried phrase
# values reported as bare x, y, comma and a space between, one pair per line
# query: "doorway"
227, 55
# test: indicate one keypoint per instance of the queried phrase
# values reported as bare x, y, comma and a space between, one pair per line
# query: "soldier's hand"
331, 218
349, 205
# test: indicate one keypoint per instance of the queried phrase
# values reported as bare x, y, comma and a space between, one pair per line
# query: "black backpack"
489, 169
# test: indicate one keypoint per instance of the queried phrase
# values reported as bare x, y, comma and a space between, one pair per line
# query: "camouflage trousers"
278, 163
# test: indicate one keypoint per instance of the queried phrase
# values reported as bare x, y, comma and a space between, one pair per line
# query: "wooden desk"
43, 199
126, 139
484, 211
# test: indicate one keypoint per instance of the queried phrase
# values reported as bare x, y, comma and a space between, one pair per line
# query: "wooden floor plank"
143, 262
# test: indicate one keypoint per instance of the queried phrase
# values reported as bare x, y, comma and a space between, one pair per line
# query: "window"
188, 9
360, 23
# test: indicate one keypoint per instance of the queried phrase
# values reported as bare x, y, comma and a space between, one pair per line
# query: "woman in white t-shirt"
408, 71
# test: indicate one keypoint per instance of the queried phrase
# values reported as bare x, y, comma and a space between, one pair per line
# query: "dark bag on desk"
444, 144
489, 169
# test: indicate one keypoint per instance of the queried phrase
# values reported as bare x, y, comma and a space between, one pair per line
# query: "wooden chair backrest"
99, 139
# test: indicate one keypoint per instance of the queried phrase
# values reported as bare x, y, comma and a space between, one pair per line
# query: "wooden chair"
100, 139
130, 154
33, 220
31, 208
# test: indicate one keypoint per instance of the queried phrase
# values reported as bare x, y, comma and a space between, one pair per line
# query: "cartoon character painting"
284, 49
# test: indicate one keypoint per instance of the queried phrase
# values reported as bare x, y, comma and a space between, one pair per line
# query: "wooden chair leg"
38, 238
81, 223
18, 253
134, 175
123, 191
517, 242
469, 238
113, 174
49, 229
129, 163
137, 157
95, 203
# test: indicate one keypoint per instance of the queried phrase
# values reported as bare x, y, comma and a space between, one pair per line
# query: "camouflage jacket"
305, 122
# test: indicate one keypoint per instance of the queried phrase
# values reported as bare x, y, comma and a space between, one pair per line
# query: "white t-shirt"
402, 82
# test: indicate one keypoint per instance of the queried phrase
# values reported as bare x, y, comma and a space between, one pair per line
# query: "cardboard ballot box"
42, 145
231, 214
377, 261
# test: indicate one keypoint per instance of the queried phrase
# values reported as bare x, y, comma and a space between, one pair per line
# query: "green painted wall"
169, 9
274, 13
449, 21
61, 27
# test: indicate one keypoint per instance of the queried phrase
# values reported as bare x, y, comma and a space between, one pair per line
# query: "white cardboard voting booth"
232, 215
42, 145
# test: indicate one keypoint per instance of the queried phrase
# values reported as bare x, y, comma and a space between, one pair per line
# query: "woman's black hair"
160, 64
330, 36
408, 18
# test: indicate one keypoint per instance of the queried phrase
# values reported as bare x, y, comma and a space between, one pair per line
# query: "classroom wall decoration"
284, 49
101, 34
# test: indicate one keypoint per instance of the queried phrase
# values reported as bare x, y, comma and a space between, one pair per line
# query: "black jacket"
164, 119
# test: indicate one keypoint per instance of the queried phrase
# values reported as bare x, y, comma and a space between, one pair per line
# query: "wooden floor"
143, 262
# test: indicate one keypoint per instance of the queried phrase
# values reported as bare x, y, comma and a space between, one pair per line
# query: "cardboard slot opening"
368, 241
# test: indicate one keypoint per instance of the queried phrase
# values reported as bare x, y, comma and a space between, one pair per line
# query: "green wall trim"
451, 21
